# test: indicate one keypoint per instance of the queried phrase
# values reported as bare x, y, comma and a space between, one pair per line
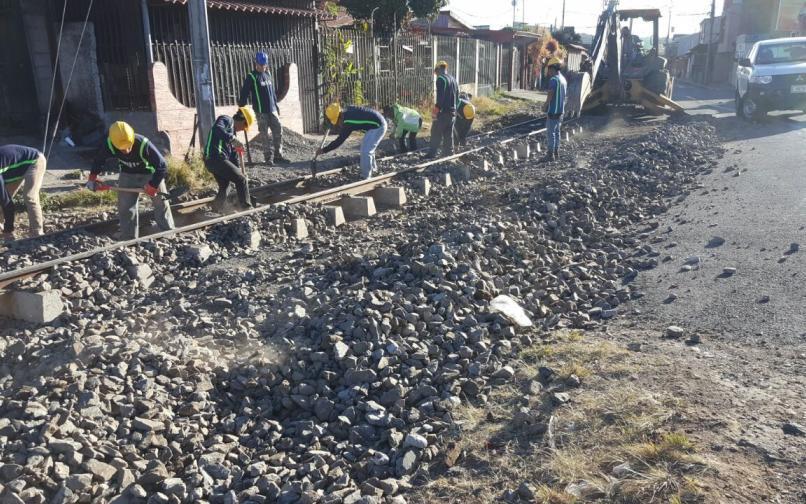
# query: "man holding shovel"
142, 170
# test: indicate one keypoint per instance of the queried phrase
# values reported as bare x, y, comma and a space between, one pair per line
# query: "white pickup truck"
772, 77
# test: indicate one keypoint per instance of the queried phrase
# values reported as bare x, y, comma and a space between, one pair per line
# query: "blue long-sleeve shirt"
219, 141
143, 159
259, 88
355, 119
15, 161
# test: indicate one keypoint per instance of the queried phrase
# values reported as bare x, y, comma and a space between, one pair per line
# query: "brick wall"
175, 121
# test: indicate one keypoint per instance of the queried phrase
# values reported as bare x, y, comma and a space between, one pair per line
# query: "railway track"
288, 192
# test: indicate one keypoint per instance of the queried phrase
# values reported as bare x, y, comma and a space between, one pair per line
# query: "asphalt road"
759, 213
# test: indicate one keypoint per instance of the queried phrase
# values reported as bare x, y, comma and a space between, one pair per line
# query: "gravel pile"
240, 365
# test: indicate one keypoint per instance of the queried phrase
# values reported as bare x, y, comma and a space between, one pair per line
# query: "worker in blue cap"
258, 86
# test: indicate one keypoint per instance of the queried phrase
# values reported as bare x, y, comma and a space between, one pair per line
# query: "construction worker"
465, 114
444, 111
142, 167
554, 108
408, 123
351, 119
21, 165
221, 156
258, 87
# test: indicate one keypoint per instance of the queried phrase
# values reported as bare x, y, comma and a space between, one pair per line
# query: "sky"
583, 14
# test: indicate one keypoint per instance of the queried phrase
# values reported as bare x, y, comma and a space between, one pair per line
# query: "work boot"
279, 158
268, 160
556, 155
548, 158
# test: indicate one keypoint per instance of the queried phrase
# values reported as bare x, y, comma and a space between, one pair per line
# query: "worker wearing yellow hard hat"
444, 111
465, 113
223, 155
554, 107
354, 118
142, 167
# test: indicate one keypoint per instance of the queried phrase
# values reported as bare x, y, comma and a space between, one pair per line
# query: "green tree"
392, 13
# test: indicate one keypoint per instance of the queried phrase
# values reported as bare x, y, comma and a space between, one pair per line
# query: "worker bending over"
221, 156
408, 123
142, 167
21, 165
353, 118
554, 108
444, 111
259, 88
465, 114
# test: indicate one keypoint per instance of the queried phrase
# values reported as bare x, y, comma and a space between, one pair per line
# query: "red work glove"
150, 189
435, 112
239, 150
96, 185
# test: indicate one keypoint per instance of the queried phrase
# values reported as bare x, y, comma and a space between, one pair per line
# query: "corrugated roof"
258, 8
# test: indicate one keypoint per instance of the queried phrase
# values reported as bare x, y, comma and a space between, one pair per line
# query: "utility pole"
202, 67
708, 56
669, 26
514, 13
563, 25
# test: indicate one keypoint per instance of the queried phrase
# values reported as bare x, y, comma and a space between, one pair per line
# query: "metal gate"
18, 106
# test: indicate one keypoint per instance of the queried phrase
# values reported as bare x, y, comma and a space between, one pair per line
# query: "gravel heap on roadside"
213, 368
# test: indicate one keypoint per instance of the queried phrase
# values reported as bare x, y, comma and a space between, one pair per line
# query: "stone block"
358, 207
523, 150
463, 172
538, 148
515, 155
390, 196
298, 229
142, 274
424, 186
39, 307
334, 216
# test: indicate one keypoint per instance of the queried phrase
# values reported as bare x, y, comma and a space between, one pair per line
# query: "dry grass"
494, 106
193, 174
609, 422
79, 198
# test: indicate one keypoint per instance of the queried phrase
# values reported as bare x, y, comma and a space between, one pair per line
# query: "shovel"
313, 161
252, 199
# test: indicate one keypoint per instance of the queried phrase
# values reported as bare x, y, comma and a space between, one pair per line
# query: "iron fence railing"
382, 69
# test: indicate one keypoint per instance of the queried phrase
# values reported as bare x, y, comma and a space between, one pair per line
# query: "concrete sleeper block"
39, 307
334, 215
390, 196
523, 150
358, 207
424, 186
445, 179
298, 229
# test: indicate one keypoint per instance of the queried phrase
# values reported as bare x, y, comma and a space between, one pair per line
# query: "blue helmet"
262, 58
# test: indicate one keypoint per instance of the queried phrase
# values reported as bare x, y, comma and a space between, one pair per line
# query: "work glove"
150, 189
236, 144
96, 185
435, 112
239, 150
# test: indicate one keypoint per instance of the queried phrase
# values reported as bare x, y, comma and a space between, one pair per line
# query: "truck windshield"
788, 52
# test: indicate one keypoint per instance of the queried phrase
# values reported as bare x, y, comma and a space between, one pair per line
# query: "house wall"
173, 121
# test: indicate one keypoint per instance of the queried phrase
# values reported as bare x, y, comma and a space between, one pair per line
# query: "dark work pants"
462, 129
225, 172
442, 133
411, 145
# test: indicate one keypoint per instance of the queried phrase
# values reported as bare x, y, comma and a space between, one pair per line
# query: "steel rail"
325, 195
